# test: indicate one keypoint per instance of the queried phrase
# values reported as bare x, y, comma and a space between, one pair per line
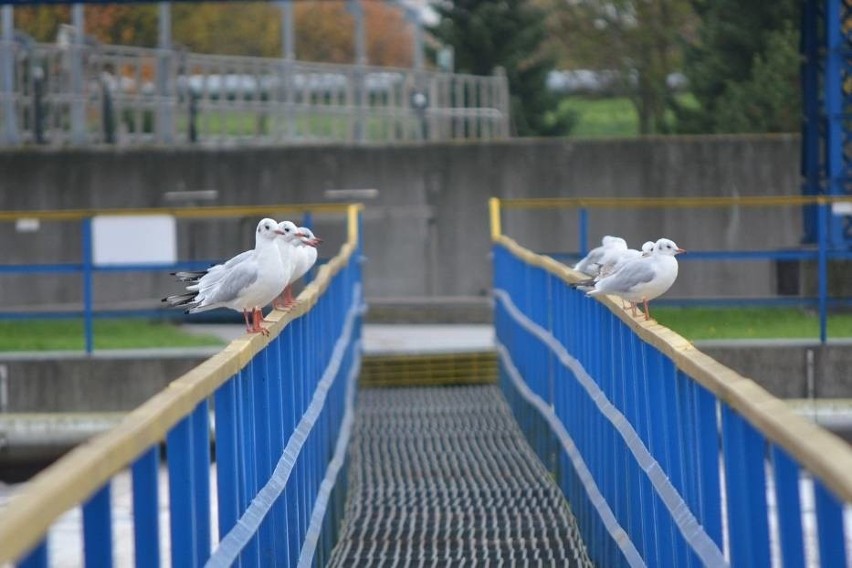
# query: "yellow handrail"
817, 450
659, 202
81, 472
179, 212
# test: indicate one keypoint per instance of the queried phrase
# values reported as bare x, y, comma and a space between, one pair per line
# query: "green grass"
609, 116
749, 323
44, 335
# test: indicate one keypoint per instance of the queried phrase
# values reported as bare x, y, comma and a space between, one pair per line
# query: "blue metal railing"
282, 409
666, 457
823, 251
87, 269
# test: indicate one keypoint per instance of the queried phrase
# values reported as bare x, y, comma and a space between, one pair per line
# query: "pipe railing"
667, 457
281, 408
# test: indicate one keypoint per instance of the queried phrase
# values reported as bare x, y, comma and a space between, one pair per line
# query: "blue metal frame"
638, 441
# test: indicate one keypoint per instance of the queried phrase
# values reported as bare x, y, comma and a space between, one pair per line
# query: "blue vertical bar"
260, 385
829, 512
788, 505
308, 220
88, 315
833, 99
181, 489
146, 510
583, 229
248, 457
822, 269
707, 444
277, 443
227, 462
37, 557
201, 478
97, 528
745, 480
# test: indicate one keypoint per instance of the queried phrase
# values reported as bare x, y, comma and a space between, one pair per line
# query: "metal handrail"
85, 470
637, 397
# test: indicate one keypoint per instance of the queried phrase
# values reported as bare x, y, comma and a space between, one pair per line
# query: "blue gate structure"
667, 457
281, 410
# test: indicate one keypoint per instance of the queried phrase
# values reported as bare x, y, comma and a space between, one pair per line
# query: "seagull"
245, 283
304, 258
643, 279
619, 259
607, 253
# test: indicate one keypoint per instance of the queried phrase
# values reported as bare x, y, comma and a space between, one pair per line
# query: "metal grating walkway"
444, 477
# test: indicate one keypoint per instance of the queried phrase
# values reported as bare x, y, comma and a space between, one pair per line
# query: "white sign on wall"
134, 239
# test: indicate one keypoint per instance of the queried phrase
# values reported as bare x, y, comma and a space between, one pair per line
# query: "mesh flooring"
444, 477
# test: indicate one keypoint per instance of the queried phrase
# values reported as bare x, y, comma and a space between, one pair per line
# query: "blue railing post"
583, 230
88, 310
181, 491
97, 529
822, 268
38, 557
146, 509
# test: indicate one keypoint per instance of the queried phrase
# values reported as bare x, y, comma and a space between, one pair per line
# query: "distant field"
607, 117
43, 335
749, 323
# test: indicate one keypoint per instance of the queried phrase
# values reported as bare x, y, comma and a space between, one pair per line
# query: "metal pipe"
165, 127
78, 95
7, 52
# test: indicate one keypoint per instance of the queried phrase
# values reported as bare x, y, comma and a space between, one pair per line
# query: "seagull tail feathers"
178, 300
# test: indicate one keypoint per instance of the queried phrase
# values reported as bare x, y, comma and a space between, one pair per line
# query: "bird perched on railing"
305, 256
644, 278
609, 251
245, 283
613, 263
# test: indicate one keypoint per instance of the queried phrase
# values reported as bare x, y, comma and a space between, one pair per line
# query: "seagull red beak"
279, 232
316, 241
679, 251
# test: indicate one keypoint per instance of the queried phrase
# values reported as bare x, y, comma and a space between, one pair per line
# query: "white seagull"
643, 279
305, 256
246, 283
609, 251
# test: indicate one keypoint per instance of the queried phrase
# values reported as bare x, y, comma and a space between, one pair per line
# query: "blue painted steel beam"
38, 557
97, 528
182, 515
146, 509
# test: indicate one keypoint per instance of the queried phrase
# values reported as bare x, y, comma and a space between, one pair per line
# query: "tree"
511, 34
744, 51
641, 39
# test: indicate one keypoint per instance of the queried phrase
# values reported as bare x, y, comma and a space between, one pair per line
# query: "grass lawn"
599, 117
750, 323
45, 335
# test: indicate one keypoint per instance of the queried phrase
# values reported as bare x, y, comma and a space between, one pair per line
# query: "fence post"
822, 267
88, 309
7, 51
165, 122
78, 93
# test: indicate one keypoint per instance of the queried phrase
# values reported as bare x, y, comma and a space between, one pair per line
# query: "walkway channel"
444, 477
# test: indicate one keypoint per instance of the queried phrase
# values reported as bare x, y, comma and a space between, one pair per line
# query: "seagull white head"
667, 247
647, 247
308, 237
289, 230
267, 229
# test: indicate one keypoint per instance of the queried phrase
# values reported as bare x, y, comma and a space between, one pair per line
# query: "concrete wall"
426, 234
103, 383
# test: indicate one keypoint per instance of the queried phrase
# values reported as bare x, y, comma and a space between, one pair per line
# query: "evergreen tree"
737, 51
486, 34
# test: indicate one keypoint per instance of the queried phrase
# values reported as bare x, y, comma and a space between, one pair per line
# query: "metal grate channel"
429, 369
444, 477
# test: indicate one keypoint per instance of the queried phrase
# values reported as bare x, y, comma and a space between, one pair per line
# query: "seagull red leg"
647, 311
245, 317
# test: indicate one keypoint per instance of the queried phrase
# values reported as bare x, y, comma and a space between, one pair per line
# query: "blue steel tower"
826, 125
